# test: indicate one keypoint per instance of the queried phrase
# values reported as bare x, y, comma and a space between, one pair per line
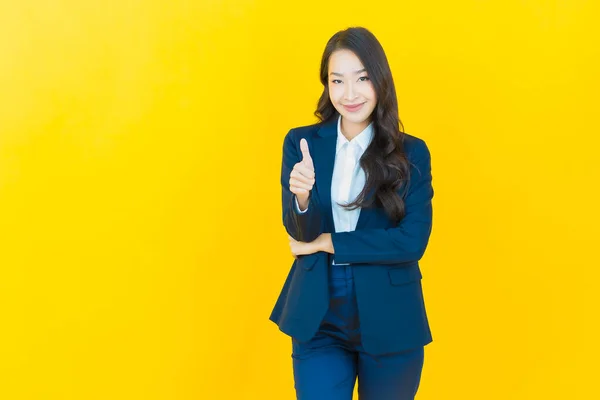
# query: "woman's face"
349, 85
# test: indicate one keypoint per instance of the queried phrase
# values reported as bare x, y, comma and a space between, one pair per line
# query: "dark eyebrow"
355, 72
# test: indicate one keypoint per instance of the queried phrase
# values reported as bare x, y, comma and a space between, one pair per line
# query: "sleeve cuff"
298, 206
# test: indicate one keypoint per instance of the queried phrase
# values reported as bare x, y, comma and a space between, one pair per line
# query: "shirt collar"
363, 139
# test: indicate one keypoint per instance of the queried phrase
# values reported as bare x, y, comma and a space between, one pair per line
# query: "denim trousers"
327, 366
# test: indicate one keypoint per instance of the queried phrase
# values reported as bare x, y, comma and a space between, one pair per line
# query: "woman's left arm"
404, 243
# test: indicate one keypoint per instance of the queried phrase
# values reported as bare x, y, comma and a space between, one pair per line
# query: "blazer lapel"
323, 160
365, 214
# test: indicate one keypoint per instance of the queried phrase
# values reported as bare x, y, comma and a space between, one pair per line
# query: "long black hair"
384, 161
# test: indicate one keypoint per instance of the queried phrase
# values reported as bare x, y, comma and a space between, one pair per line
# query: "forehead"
345, 62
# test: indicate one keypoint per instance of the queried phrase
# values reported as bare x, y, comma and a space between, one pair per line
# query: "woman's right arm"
305, 225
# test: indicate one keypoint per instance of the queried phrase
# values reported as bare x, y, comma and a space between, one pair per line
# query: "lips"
353, 108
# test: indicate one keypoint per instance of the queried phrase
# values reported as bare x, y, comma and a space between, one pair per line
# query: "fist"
302, 177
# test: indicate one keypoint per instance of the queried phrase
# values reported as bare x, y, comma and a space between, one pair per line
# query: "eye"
336, 81
363, 78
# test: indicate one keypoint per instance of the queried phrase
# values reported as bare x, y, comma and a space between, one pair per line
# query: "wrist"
324, 243
302, 201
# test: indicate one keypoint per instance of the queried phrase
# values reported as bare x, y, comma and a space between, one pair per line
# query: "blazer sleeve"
303, 226
408, 240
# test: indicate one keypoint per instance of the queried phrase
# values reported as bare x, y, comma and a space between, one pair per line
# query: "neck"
350, 129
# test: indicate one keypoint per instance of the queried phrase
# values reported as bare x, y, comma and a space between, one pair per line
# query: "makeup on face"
350, 89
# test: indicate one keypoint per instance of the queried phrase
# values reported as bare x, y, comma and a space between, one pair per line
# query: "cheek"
371, 93
335, 92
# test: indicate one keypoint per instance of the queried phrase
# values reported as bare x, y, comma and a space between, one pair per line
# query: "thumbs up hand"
302, 177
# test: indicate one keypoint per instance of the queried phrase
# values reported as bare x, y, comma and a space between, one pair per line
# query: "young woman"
357, 208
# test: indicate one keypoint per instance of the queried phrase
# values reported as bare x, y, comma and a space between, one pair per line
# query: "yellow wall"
141, 244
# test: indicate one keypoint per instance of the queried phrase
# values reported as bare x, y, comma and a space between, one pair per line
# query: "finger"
302, 185
298, 191
303, 170
298, 175
306, 158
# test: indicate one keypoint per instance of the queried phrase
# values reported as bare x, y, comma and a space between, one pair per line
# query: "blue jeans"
326, 366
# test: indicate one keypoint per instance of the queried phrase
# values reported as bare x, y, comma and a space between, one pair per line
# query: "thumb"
306, 158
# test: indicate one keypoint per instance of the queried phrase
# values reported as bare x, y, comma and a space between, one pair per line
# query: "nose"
349, 92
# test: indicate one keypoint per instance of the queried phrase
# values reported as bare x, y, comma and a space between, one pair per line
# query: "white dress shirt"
348, 177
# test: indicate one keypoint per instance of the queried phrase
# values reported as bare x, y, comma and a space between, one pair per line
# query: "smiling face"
351, 91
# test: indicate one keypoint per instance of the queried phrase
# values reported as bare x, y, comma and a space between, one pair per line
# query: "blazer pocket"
307, 261
403, 275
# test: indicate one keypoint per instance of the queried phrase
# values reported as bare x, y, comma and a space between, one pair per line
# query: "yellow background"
141, 243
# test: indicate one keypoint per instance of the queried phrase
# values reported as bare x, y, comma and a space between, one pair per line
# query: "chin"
357, 119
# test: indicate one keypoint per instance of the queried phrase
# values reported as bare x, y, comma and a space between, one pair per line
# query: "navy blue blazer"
384, 255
